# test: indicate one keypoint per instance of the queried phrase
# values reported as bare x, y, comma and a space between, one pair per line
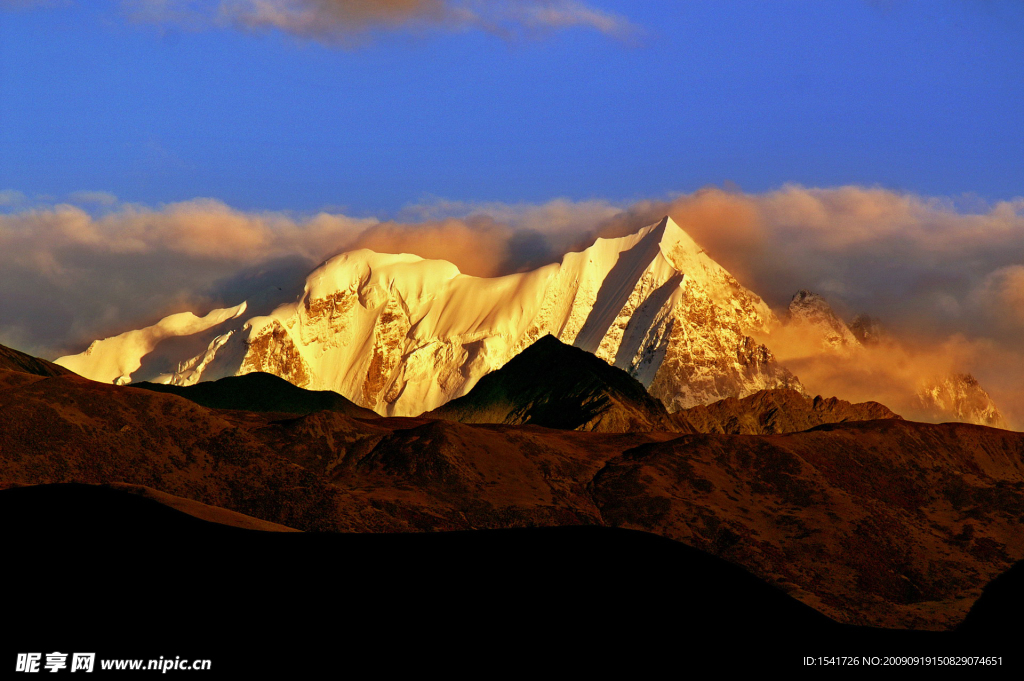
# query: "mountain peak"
806, 300
555, 385
813, 313
400, 334
961, 397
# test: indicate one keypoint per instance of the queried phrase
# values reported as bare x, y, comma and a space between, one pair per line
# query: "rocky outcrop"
777, 411
811, 311
949, 397
959, 397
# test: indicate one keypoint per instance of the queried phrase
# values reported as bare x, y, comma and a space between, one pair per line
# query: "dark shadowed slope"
882, 522
1000, 610
262, 392
580, 598
197, 509
68, 428
12, 360
908, 519
555, 385
588, 597
777, 411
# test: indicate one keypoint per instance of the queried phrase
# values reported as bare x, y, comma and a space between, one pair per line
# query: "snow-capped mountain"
952, 397
959, 397
116, 359
403, 335
811, 310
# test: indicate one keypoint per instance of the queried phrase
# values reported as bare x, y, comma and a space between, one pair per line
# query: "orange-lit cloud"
66, 275
1002, 296
478, 246
347, 22
891, 372
917, 262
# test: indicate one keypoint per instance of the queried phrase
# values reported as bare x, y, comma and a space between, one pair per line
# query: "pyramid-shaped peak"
674, 236
556, 385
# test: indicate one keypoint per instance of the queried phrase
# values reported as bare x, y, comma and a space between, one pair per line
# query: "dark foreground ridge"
94, 569
555, 385
13, 360
261, 392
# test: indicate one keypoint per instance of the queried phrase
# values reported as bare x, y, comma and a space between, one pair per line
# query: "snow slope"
114, 360
403, 335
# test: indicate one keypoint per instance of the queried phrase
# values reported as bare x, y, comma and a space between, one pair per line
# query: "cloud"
519, 236
11, 197
479, 246
1002, 296
67, 276
916, 262
350, 22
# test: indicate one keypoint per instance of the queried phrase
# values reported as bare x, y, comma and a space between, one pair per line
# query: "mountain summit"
810, 310
558, 386
402, 335
949, 397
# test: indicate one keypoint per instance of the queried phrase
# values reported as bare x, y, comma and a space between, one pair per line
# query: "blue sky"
158, 156
923, 97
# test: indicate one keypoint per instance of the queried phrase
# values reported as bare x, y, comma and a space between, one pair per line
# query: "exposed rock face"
867, 330
554, 385
402, 335
707, 356
961, 397
777, 411
954, 397
811, 310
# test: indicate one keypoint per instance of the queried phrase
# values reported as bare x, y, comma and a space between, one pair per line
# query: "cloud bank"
948, 284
